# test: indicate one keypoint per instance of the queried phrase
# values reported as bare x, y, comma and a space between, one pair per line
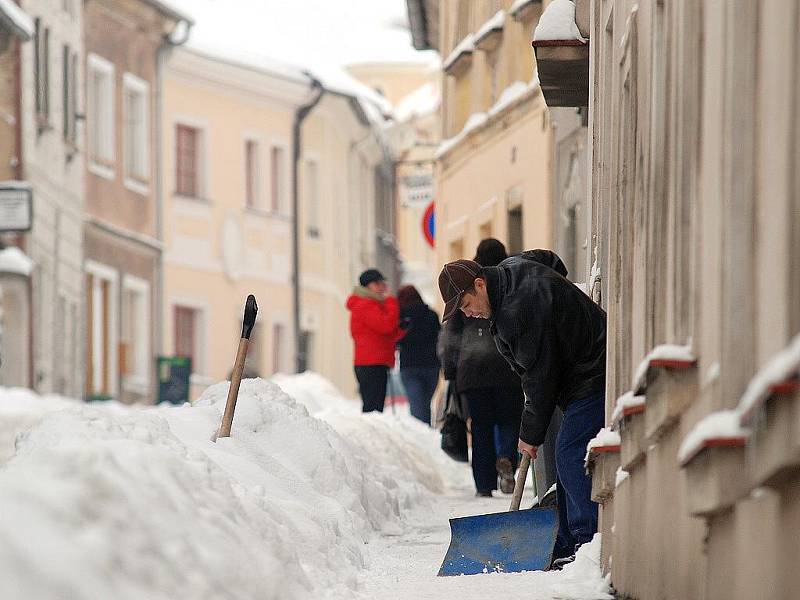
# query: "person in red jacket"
375, 327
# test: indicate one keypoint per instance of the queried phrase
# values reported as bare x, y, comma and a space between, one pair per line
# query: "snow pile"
582, 579
467, 45
605, 437
475, 121
423, 101
558, 23
21, 410
495, 23
723, 424
784, 365
662, 352
139, 503
14, 260
627, 400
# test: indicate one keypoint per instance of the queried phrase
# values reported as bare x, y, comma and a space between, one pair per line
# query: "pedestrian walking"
374, 326
492, 390
419, 364
554, 337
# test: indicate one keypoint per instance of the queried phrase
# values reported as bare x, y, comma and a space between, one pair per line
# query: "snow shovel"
248, 322
508, 542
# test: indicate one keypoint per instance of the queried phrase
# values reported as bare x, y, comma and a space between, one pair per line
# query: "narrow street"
405, 566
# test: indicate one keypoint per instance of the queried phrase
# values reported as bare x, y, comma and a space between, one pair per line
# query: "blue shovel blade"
506, 542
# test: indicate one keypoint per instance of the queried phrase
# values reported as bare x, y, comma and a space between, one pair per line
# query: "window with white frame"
135, 334
70, 96
312, 199
136, 128
252, 174
278, 175
100, 110
102, 286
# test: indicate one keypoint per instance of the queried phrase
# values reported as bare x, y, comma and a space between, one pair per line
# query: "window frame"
100, 163
200, 160
138, 182
139, 380
278, 199
253, 181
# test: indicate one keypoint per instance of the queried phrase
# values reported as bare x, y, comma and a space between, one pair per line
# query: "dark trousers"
372, 386
420, 383
495, 414
577, 513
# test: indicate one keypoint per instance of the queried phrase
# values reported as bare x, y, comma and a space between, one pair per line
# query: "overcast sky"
306, 33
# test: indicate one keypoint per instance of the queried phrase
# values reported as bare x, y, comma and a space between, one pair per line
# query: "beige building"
414, 90
694, 219
346, 224
227, 135
494, 164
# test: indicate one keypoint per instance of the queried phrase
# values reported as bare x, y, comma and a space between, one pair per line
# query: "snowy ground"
307, 499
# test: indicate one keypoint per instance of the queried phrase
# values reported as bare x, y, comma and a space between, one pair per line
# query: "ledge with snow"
562, 54
602, 463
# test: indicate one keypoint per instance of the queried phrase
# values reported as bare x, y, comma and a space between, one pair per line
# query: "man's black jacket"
550, 332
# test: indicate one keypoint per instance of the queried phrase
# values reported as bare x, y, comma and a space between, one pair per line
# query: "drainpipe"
178, 37
299, 117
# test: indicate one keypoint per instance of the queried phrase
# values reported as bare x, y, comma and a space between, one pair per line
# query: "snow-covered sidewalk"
307, 499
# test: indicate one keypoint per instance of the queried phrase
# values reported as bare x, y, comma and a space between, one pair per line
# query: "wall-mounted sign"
16, 206
417, 188
429, 224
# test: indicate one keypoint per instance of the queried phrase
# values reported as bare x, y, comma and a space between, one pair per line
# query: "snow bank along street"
307, 499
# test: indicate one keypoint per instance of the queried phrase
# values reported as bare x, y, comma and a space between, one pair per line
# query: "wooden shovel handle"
233, 391
519, 484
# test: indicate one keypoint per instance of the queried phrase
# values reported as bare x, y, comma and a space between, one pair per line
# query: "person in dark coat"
491, 388
554, 337
375, 328
419, 364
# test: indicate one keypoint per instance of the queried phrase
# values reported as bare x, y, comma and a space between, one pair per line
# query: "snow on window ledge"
14, 260
628, 404
780, 375
465, 46
606, 440
496, 23
667, 356
718, 429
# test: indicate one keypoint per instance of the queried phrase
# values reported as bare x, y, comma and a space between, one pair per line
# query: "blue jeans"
420, 383
577, 514
496, 415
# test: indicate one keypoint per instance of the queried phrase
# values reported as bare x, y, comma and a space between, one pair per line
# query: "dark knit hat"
456, 278
370, 276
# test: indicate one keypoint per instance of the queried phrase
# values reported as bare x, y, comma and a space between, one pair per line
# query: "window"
277, 347
100, 91
312, 198
186, 334
42, 73
136, 128
70, 99
135, 342
457, 249
187, 161
515, 230
278, 173
252, 174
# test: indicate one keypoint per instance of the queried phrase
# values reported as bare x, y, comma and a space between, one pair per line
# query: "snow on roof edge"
17, 18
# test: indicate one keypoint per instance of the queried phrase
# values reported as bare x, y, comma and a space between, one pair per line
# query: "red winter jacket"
374, 326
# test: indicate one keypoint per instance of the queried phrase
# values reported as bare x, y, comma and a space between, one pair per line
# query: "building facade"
228, 221
124, 42
346, 224
494, 165
694, 221
45, 305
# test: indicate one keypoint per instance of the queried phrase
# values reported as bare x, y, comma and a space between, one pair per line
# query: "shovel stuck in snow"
248, 322
509, 542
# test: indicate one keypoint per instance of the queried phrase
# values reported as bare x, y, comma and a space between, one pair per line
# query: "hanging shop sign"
416, 189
